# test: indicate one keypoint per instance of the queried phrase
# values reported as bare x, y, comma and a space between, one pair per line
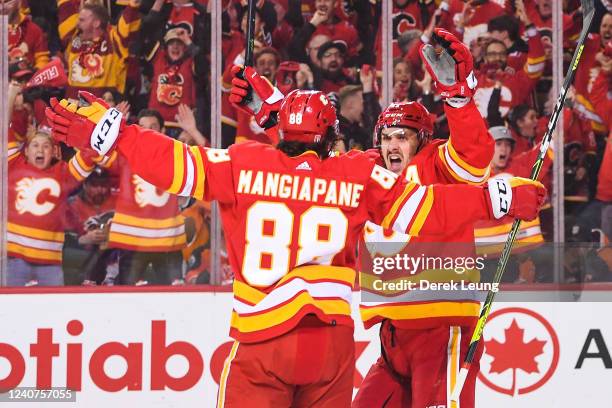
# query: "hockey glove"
96, 126
517, 197
452, 70
264, 99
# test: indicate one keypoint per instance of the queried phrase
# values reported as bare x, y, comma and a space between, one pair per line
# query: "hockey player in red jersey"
422, 339
293, 215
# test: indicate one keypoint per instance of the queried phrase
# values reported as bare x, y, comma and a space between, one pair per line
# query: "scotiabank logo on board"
115, 366
102, 364
521, 351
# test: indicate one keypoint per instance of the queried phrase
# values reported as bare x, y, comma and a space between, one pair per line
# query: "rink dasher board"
198, 320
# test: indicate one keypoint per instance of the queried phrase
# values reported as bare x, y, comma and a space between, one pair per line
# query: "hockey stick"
250, 34
588, 11
248, 47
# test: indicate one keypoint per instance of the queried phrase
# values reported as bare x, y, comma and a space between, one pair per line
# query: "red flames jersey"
477, 24
99, 65
37, 204
492, 235
604, 182
570, 29
464, 158
292, 223
404, 19
146, 218
603, 106
27, 40
172, 84
516, 86
586, 74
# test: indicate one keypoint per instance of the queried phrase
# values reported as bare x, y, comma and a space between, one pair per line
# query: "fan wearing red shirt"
407, 15
26, 39
588, 69
332, 76
88, 218
468, 19
506, 28
603, 105
147, 227
38, 187
325, 21
173, 81
516, 86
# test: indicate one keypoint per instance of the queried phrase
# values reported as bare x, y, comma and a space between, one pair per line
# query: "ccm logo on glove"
501, 196
106, 131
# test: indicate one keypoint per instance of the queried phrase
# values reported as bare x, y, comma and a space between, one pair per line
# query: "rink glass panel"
211, 258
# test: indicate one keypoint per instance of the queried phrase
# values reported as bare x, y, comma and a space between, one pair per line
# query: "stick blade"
456, 393
588, 7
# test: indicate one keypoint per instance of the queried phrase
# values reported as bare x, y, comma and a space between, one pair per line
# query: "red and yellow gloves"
452, 70
96, 126
255, 95
517, 197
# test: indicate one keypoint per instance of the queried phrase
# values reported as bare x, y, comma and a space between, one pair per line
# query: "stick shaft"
250, 34
588, 10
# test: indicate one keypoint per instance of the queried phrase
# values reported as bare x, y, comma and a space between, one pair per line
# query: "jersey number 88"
269, 240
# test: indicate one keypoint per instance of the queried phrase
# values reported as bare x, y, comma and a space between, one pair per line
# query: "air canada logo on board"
521, 351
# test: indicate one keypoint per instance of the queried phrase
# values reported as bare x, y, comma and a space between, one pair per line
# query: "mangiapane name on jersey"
302, 188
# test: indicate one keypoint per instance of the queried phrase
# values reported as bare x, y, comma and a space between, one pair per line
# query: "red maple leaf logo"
514, 354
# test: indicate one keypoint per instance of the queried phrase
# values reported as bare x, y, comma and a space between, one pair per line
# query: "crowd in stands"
75, 219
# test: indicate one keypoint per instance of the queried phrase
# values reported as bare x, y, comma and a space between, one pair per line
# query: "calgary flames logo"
93, 64
170, 89
28, 192
147, 194
402, 22
92, 68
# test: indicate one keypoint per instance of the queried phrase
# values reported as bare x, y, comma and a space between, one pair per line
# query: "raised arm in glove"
452, 69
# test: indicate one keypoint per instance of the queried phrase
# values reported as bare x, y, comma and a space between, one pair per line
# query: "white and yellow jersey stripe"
322, 290
459, 169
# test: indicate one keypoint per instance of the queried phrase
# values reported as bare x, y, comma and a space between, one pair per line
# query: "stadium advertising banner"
166, 349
